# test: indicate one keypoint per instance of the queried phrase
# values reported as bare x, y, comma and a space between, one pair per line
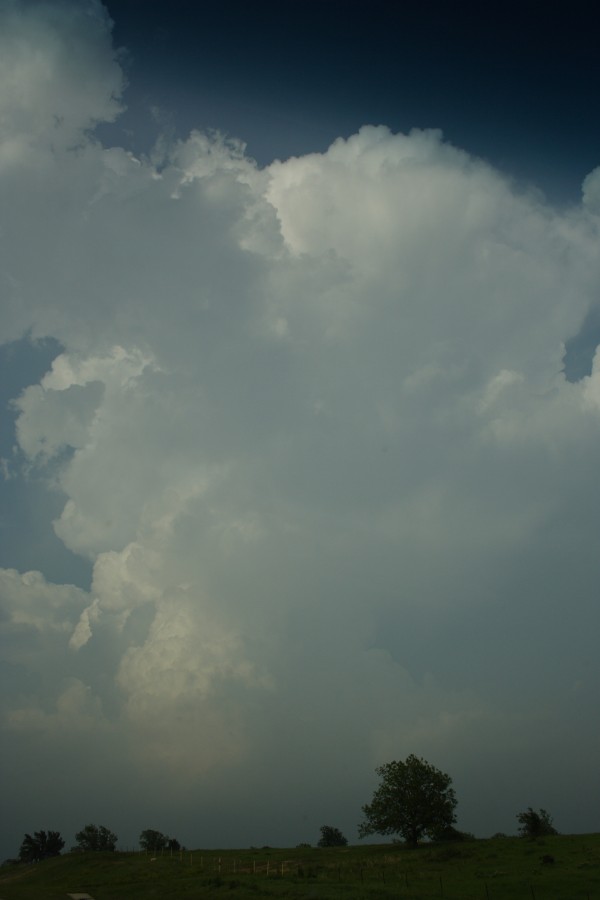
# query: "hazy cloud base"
312, 430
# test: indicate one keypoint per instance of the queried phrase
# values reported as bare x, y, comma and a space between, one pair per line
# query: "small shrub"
535, 824
451, 834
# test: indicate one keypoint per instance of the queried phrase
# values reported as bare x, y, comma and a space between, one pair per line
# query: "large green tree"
96, 837
40, 846
413, 800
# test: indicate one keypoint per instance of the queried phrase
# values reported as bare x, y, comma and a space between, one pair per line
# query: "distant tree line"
91, 838
414, 800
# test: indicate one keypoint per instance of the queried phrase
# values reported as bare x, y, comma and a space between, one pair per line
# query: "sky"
299, 414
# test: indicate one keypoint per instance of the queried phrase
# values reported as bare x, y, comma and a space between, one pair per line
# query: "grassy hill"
565, 867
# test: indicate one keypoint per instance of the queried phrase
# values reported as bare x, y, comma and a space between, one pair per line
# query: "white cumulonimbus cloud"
306, 419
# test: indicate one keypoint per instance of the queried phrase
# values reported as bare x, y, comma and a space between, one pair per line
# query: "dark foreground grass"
565, 867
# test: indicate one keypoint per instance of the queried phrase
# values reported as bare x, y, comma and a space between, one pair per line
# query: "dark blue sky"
515, 84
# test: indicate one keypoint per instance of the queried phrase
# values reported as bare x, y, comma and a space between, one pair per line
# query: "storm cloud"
311, 429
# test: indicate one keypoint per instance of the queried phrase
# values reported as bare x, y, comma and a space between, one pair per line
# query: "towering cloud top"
58, 69
311, 430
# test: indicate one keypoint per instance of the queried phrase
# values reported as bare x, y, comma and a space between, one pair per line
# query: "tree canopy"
154, 841
413, 800
41, 846
331, 837
96, 837
535, 824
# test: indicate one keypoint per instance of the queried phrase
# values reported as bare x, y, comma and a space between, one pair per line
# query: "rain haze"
300, 414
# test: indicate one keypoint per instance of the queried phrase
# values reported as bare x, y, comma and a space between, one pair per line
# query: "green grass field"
494, 869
